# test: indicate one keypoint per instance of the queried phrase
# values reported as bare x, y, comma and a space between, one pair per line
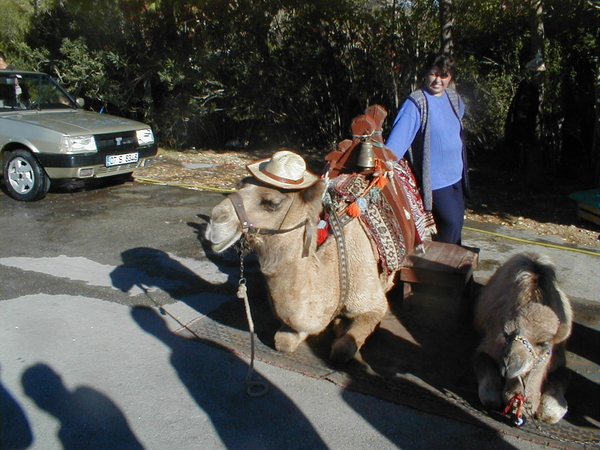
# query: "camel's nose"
513, 366
219, 214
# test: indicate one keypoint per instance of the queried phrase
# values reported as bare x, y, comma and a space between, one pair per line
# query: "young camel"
524, 319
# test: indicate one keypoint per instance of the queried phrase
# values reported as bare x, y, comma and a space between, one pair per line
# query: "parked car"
46, 135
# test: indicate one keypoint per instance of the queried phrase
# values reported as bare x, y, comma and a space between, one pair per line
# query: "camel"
279, 221
524, 319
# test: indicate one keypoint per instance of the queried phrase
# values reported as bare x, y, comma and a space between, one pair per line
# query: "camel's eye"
271, 203
543, 344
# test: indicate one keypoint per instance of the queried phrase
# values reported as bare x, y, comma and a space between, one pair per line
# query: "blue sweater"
443, 165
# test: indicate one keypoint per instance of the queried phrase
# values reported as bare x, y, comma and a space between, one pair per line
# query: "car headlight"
78, 144
145, 136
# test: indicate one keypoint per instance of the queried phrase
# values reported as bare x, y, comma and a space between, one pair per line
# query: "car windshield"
33, 91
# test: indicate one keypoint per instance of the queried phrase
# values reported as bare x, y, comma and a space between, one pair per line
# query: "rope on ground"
184, 185
559, 247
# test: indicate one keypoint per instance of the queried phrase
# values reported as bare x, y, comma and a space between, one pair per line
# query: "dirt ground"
495, 199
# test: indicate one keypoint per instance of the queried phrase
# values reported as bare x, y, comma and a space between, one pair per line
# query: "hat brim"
257, 170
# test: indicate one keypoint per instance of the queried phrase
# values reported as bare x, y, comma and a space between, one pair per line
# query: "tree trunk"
446, 26
536, 162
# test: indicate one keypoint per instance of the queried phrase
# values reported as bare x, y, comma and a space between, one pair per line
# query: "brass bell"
366, 157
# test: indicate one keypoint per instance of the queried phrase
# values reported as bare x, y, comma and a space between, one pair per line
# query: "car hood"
74, 122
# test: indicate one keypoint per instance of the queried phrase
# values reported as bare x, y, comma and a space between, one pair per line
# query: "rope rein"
254, 388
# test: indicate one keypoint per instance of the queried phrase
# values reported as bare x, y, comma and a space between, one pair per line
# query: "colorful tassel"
353, 210
363, 204
381, 181
322, 231
322, 235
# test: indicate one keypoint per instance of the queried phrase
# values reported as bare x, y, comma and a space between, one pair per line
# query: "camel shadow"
214, 380
88, 419
163, 279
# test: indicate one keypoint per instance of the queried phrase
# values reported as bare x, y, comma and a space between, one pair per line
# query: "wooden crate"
588, 205
437, 284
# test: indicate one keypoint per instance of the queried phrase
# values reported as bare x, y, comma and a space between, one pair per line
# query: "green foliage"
13, 22
295, 73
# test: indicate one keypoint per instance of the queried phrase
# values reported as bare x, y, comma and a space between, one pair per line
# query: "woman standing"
429, 128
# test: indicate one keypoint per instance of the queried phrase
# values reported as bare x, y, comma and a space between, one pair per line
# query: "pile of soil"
496, 197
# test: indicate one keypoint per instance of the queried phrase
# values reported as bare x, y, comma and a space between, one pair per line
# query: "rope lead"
254, 388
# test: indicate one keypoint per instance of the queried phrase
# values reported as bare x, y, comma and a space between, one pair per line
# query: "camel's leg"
357, 331
288, 340
553, 405
490, 381
340, 326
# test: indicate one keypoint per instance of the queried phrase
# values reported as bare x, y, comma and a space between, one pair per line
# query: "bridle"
514, 408
249, 229
537, 357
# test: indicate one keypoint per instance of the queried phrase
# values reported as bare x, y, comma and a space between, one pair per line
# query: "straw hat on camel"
285, 170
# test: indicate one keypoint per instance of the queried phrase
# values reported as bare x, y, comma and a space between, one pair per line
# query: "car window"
32, 91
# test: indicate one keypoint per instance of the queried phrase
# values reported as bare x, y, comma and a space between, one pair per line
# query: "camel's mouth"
222, 246
220, 238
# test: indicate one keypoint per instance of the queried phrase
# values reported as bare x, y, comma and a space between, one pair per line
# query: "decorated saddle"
365, 181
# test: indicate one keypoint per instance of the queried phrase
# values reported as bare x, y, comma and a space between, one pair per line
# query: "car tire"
24, 177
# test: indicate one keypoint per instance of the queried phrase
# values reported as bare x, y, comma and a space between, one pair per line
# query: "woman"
429, 128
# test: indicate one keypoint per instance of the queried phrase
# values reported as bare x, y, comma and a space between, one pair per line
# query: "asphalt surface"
89, 360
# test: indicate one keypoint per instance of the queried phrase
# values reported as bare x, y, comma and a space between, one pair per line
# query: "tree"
295, 73
446, 26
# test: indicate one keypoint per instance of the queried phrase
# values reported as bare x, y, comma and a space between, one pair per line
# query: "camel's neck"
282, 261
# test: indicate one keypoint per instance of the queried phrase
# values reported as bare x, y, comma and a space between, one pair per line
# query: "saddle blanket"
378, 217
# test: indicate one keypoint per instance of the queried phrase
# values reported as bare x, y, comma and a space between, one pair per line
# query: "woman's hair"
442, 61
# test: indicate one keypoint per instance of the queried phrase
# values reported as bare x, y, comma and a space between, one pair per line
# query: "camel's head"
266, 208
529, 337
281, 195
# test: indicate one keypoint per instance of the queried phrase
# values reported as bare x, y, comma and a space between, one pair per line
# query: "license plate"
116, 160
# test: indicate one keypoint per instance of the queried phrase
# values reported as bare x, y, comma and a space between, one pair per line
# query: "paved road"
87, 360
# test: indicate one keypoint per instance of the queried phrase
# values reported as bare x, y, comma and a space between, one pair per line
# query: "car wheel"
24, 177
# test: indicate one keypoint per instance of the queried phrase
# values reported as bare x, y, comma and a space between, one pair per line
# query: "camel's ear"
564, 331
313, 195
314, 192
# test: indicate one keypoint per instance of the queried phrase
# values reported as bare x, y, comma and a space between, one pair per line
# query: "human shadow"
88, 418
214, 379
15, 432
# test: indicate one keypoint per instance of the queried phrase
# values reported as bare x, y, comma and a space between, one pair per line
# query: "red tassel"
322, 234
353, 210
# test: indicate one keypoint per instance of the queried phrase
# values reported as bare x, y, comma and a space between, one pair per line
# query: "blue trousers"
449, 213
